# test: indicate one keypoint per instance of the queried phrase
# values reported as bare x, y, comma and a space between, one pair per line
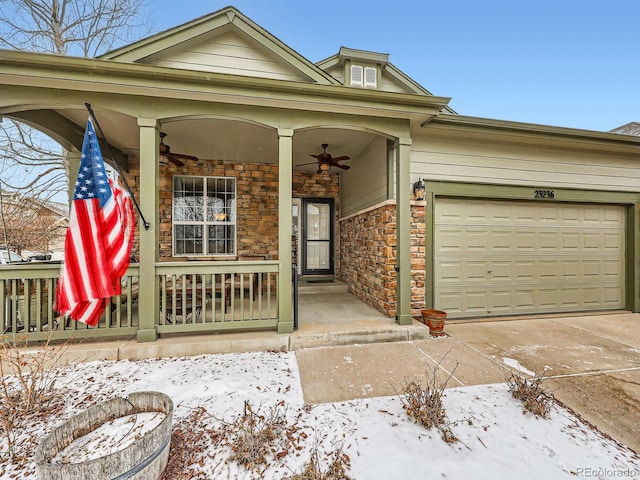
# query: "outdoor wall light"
419, 190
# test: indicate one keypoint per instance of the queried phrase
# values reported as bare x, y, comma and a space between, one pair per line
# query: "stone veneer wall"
257, 199
368, 256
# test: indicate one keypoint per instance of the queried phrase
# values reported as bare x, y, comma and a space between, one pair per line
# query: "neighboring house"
30, 226
632, 128
517, 218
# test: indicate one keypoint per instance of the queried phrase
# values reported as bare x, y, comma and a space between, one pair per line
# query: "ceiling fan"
325, 160
165, 150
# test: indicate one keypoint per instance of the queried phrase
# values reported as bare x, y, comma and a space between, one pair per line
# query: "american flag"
98, 240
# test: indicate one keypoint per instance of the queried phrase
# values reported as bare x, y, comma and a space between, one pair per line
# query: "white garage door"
509, 258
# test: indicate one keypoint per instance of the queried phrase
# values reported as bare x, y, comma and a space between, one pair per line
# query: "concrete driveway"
591, 364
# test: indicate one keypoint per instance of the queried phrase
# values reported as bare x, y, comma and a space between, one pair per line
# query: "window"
366, 77
204, 215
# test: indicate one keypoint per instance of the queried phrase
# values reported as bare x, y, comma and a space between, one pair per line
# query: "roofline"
90, 74
532, 128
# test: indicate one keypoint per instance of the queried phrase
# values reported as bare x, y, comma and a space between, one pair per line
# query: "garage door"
509, 258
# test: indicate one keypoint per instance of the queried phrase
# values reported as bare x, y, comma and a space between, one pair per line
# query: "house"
32, 227
631, 128
248, 159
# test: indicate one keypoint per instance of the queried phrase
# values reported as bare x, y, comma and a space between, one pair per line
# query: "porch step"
316, 286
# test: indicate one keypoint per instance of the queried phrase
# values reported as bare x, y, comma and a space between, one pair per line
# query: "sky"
564, 63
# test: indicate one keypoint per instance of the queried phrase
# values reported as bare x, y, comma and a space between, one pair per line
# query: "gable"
223, 42
227, 52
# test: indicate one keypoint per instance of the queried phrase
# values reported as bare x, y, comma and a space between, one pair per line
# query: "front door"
317, 236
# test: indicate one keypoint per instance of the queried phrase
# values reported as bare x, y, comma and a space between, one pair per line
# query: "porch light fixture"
419, 189
324, 167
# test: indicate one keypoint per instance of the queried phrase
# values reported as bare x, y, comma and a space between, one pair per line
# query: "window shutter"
356, 75
370, 77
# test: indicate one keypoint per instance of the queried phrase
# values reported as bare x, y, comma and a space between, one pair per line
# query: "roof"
632, 128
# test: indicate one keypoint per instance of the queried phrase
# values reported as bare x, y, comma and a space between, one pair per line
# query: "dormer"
357, 68
372, 71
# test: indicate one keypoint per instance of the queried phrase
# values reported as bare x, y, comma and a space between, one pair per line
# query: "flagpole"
117, 166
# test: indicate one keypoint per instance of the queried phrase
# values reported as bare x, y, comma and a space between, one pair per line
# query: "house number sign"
544, 194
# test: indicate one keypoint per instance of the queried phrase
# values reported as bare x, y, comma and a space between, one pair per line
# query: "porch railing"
27, 305
193, 297
215, 296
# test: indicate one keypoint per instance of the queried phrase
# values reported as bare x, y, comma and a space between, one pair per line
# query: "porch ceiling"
220, 139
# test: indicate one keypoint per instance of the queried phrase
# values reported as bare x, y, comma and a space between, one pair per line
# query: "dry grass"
530, 392
27, 381
338, 465
256, 436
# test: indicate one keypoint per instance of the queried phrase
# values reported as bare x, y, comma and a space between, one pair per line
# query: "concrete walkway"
591, 364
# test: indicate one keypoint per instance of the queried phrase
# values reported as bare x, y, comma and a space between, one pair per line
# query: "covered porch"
255, 136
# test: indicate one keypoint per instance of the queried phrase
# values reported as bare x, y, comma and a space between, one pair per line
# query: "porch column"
285, 172
72, 159
148, 296
403, 231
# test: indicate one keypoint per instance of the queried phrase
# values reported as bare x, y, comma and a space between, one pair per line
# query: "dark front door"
317, 236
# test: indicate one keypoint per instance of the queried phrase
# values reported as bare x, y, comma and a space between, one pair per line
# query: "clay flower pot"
434, 319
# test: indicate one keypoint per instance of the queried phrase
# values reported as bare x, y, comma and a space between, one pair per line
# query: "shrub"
27, 380
424, 402
530, 392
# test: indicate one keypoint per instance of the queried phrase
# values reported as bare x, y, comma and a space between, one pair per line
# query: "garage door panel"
592, 269
525, 271
570, 298
613, 268
476, 241
570, 270
591, 242
499, 257
613, 296
613, 242
593, 296
570, 242
548, 241
524, 300
548, 269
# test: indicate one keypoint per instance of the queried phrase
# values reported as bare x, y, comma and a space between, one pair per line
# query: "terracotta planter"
435, 320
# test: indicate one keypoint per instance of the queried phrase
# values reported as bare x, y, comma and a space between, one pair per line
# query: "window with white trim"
204, 216
366, 77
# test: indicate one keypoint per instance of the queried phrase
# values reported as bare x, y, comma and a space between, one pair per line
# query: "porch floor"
328, 316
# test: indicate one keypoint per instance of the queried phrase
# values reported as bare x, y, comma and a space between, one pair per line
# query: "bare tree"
30, 162
84, 28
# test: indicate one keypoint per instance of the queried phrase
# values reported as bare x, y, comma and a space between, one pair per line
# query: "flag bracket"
117, 167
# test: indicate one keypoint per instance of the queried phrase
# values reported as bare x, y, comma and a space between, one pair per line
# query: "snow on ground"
496, 439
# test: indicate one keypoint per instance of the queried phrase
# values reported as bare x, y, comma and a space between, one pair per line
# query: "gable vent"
370, 77
356, 75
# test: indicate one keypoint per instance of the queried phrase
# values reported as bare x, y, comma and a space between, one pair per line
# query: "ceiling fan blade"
344, 167
186, 157
174, 160
343, 157
305, 164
